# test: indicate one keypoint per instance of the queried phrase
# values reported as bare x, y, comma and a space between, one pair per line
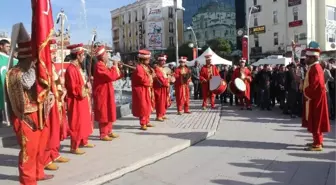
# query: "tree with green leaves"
220, 46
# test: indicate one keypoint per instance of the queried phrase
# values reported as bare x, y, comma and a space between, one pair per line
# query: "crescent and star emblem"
3, 68
48, 8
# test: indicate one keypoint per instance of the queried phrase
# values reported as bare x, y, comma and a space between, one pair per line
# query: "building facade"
209, 20
146, 24
275, 23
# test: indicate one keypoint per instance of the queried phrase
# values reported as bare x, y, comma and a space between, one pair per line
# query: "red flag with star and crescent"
42, 30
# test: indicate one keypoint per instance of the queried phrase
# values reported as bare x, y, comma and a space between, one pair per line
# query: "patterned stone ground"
134, 149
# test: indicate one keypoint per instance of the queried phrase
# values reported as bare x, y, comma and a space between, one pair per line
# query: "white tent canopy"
216, 60
270, 61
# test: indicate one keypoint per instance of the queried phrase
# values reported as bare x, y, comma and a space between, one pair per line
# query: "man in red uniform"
32, 136
78, 89
142, 81
103, 94
315, 113
243, 73
207, 72
182, 93
57, 119
161, 89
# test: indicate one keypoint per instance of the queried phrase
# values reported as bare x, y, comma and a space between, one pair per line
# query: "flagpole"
62, 45
62, 16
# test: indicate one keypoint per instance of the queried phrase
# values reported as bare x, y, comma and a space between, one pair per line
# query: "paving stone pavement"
134, 148
249, 148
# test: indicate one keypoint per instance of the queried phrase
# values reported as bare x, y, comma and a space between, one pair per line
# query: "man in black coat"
264, 79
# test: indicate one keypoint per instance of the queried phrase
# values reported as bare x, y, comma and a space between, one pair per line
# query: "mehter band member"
161, 89
78, 88
105, 111
58, 126
244, 73
142, 81
315, 113
207, 72
32, 136
182, 93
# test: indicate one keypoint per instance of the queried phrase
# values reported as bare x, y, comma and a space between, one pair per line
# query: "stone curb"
150, 160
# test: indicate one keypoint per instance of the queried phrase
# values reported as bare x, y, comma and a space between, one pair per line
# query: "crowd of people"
271, 85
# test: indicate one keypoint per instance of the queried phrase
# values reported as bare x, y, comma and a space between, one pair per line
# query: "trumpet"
126, 65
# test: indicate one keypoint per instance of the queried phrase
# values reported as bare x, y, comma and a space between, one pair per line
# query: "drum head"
240, 84
167, 70
215, 82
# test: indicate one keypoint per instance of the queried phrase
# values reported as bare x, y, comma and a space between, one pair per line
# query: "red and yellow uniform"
182, 93
245, 74
103, 94
78, 102
161, 89
315, 112
142, 82
31, 134
207, 72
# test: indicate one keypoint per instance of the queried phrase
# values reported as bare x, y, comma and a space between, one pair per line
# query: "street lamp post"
176, 30
248, 32
196, 42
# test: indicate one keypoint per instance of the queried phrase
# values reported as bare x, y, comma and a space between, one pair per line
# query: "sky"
97, 16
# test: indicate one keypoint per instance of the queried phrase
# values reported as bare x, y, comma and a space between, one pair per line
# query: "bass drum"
217, 85
232, 88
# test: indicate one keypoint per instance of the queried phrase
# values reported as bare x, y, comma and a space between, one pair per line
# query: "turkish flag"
245, 48
42, 30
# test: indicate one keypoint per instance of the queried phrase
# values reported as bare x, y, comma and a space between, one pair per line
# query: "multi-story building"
215, 19
275, 23
209, 20
148, 24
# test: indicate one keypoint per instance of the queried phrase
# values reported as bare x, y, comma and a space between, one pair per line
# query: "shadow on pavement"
248, 144
289, 173
184, 135
8, 161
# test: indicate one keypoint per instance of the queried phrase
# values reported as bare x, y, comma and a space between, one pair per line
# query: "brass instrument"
126, 65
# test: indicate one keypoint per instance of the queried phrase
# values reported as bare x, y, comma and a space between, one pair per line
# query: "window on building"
206, 35
255, 2
331, 13
331, 37
198, 35
170, 12
135, 16
190, 37
143, 13
214, 33
276, 39
275, 17
171, 41
171, 27
129, 17
275, 0
256, 40
296, 13
255, 21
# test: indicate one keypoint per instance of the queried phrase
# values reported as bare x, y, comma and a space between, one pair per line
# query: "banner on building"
171, 3
154, 12
154, 35
3, 71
